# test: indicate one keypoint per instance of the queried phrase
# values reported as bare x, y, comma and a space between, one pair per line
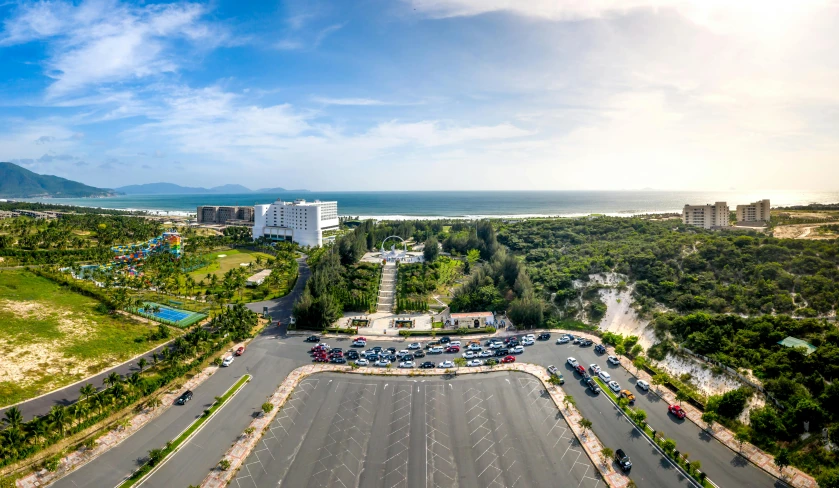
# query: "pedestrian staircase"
387, 289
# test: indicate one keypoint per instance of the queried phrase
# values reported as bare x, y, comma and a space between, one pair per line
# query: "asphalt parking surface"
494, 430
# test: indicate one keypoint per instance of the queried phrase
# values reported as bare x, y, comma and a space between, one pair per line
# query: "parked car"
628, 395
452, 348
495, 344
595, 369
528, 342
435, 350
572, 362
614, 386
502, 352
592, 385
623, 460
358, 343
600, 349
553, 371
642, 385
445, 339
475, 362
376, 348
677, 411
469, 355
544, 336
427, 365
563, 340
313, 338
446, 364
517, 350
530, 336
454, 343
227, 361
614, 360
352, 354
486, 354
321, 359
339, 360
391, 350
509, 359
586, 342
240, 351
407, 364
419, 353
382, 362
414, 345
475, 347
606, 377
185, 397
362, 362
582, 370
430, 344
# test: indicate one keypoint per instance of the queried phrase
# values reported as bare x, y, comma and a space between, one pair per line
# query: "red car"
240, 351
581, 370
453, 349
321, 359
317, 348
360, 339
677, 411
509, 359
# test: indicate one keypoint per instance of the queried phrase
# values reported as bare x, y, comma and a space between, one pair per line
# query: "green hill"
17, 182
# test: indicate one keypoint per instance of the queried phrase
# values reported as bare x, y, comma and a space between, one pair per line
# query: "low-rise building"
754, 212
222, 215
258, 278
298, 221
707, 216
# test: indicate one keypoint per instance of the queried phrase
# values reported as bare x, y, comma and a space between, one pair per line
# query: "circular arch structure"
393, 254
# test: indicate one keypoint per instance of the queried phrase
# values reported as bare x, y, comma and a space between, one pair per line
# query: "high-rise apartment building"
707, 216
298, 221
754, 212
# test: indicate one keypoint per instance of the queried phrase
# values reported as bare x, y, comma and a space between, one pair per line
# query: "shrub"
224, 464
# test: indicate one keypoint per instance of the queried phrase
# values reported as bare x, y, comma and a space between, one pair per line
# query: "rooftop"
471, 314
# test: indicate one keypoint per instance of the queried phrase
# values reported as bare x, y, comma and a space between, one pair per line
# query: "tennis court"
168, 315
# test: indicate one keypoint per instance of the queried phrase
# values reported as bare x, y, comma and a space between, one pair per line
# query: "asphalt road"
723, 466
340, 431
266, 359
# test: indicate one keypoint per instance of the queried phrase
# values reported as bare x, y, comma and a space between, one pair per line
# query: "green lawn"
52, 337
232, 258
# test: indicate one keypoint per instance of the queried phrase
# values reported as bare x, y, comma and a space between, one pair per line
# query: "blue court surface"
172, 315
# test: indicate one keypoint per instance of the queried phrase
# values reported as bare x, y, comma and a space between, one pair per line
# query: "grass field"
51, 337
230, 259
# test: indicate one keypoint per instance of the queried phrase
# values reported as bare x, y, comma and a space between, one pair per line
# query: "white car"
435, 350
446, 364
528, 342
605, 376
359, 343
594, 368
532, 337
407, 364
454, 343
414, 345
486, 354
496, 345
614, 360
382, 362
226, 361
573, 362
361, 362
614, 386
403, 352
642, 385
469, 355
475, 347
517, 350
563, 340
475, 362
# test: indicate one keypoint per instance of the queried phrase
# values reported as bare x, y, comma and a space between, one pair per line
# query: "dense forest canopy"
684, 268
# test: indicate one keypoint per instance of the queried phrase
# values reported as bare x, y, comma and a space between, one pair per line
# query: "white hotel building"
707, 216
298, 221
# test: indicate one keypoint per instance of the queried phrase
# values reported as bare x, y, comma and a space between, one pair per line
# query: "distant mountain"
173, 189
18, 182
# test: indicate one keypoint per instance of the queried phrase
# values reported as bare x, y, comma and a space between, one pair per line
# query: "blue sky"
425, 94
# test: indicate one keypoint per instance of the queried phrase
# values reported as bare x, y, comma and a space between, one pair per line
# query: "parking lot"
492, 430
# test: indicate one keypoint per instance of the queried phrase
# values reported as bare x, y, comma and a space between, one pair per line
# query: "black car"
445, 340
544, 336
390, 357
502, 352
427, 365
592, 385
419, 353
406, 357
352, 354
313, 338
391, 350
623, 460
600, 348
377, 348
185, 397
338, 360
336, 349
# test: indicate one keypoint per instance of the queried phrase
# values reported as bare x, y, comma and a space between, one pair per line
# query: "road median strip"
147, 469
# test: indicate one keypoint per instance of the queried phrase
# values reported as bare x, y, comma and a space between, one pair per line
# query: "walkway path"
387, 289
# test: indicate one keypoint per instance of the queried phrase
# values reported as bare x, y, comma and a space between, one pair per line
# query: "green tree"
741, 436
606, 454
13, 418
585, 424
431, 250
782, 460
142, 363
681, 396
569, 401
459, 362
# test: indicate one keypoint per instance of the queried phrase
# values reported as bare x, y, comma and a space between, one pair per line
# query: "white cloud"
101, 41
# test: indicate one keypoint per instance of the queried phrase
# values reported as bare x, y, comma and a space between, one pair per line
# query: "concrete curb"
186, 441
240, 449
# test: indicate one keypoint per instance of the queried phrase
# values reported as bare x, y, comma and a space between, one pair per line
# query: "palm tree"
87, 391
112, 379
38, 427
134, 380
13, 417
13, 439
100, 400
58, 419
154, 358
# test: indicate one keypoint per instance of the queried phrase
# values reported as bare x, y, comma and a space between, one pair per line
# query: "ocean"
463, 204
